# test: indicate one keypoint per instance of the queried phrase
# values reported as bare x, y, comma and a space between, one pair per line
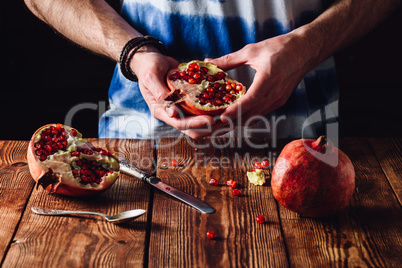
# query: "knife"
129, 169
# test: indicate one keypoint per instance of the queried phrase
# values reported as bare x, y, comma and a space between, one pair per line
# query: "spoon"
121, 217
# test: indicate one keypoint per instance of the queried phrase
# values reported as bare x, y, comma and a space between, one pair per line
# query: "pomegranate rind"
300, 183
188, 92
55, 175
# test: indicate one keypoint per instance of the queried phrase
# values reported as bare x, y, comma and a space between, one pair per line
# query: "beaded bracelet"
131, 48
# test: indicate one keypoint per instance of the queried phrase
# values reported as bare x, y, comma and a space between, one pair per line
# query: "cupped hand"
280, 65
151, 68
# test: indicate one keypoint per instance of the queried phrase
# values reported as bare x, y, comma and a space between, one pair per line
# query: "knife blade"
130, 169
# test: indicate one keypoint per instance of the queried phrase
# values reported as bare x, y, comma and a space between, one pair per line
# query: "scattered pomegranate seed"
236, 192
264, 164
257, 165
211, 234
234, 185
213, 182
174, 163
260, 219
229, 182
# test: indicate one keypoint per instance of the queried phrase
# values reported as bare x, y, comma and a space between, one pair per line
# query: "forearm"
91, 24
341, 24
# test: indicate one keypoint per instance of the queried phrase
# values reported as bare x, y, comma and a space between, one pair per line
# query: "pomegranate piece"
211, 234
174, 163
202, 88
236, 192
213, 182
313, 178
260, 219
257, 165
234, 185
265, 164
62, 162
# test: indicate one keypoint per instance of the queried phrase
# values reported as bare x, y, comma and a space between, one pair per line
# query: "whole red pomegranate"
313, 178
63, 162
202, 88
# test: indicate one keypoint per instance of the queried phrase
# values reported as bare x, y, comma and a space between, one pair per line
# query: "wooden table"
173, 234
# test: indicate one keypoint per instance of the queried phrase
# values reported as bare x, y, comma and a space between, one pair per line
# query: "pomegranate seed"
211, 234
220, 75
260, 219
174, 163
213, 182
38, 152
229, 182
58, 126
103, 152
210, 78
47, 138
37, 145
192, 81
73, 132
264, 164
234, 185
102, 173
204, 69
210, 89
191, 66
47, 147
236, 192
257, 165
43, 157
197, 75
205, 95
217, 85
239, 87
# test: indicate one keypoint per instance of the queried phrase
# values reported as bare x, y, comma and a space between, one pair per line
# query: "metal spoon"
121, 217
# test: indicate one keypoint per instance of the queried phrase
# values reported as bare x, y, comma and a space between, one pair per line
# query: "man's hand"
279, 64
151, 68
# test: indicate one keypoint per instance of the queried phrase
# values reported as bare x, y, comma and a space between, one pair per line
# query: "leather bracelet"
131, 48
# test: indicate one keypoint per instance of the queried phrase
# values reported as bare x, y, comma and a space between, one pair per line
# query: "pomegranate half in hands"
202, 88
63, 162
313, 178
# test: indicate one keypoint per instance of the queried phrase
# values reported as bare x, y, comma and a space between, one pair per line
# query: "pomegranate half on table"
62, 162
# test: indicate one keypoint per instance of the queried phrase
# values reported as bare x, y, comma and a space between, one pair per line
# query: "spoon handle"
57, 212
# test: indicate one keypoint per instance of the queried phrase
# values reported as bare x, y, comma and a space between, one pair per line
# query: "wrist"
310, 42
138, 45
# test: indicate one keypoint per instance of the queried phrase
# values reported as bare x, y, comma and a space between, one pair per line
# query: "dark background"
44, 76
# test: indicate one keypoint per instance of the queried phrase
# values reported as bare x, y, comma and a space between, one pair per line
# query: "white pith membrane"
58, 166
189, 92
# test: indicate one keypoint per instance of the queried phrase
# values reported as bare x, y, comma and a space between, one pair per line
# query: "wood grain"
45, 241
178, 237
15, 188
389, 154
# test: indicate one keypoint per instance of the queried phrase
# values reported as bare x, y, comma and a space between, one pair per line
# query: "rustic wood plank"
44, 241
15, 188
389, 154
178, 237
367, 234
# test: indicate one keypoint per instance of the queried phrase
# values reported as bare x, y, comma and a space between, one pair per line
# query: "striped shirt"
196, 29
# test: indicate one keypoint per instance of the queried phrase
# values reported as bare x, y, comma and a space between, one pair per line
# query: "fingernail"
169, 111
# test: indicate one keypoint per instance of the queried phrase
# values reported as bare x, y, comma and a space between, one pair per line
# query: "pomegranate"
202, 88
63, 162
313, 178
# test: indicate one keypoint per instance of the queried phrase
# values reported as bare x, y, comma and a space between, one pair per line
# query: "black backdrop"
44, 76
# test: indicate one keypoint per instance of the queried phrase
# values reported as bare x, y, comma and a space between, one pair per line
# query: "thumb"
228, 61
